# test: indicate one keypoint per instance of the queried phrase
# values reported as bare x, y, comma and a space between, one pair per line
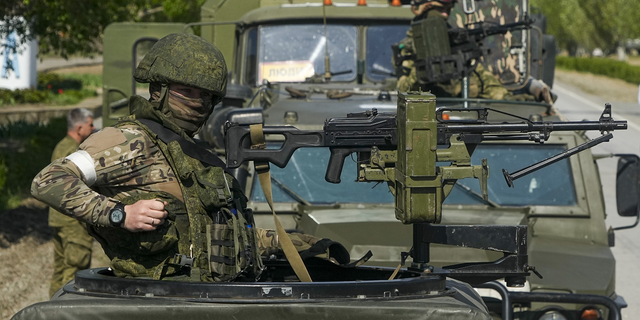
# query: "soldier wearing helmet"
482, 83
161, 206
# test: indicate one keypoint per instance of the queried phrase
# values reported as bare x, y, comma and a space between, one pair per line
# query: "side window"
251, 57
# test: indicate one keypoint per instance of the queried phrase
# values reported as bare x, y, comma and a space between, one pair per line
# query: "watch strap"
118, 206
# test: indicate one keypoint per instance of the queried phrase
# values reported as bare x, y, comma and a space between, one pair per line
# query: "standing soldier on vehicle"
482, 83
160, 205
71, 242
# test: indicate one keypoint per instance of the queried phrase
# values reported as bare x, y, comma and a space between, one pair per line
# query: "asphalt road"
577, 105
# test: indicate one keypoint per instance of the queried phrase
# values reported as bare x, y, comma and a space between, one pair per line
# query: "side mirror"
628, 185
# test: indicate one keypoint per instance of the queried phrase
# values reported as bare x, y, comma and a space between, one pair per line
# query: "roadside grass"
634, 60
27, 150
601, 66
54, 89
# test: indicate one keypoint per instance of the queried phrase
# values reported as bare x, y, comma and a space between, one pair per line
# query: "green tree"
71, 27
590, 23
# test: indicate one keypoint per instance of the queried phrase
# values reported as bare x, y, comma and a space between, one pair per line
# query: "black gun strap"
189, 148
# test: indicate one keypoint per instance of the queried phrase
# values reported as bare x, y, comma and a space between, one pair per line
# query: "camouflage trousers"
71, 253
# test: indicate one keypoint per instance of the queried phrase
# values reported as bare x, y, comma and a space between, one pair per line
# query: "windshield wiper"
339, 73
320, 78
476, 195
290, 192
383, 72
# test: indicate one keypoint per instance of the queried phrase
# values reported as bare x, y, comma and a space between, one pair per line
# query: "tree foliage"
590, 24
71, 27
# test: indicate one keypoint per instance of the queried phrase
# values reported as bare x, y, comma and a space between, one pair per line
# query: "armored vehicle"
285, 61
567, 226
402, 150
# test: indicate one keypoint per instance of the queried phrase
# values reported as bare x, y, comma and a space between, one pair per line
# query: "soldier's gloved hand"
309, 246
144, 215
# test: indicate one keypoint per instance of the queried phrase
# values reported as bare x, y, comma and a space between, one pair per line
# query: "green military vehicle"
277, 53
398, 149
563, 204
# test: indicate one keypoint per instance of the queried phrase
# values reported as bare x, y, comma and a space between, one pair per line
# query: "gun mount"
443, 53
405, 150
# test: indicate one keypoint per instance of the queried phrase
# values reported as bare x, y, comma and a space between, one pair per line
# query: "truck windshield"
292, 53
304, 175
379, 41
553, 185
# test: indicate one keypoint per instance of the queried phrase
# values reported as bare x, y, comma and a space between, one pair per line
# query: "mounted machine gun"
443, 53
406, 150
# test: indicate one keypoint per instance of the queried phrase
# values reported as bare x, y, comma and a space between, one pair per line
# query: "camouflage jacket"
130, 165
65, 147
126, 164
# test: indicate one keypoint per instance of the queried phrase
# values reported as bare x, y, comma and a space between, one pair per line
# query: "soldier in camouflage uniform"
71, 242
482, 83
157, 211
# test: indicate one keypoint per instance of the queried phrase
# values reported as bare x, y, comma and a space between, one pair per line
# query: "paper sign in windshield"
286, 71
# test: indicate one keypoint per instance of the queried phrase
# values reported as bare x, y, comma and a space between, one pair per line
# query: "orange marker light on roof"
590, 314
328, 3
396, 3
362, 2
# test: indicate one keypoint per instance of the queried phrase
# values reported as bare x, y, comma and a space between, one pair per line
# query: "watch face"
117, 216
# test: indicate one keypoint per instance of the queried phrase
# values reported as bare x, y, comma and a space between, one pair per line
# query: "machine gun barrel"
473, 126
536, 126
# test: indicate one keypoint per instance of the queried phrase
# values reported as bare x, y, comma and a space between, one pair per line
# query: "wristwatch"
117, 215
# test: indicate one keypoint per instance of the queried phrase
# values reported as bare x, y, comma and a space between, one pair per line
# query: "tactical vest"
208, 237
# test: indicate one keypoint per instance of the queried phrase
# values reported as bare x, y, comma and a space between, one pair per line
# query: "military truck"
256, 36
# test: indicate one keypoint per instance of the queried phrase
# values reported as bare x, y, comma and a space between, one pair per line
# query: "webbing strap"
262, 168
403, 259
189, 148
395, 272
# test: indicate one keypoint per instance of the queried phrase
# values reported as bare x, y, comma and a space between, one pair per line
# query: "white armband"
83, 161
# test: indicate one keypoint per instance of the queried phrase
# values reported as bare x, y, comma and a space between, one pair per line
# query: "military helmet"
185, 59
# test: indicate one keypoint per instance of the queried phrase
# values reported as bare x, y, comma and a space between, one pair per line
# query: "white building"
18, 62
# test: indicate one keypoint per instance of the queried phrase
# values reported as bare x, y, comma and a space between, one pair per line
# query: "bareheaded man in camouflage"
482, 83
158, 204
71, 242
